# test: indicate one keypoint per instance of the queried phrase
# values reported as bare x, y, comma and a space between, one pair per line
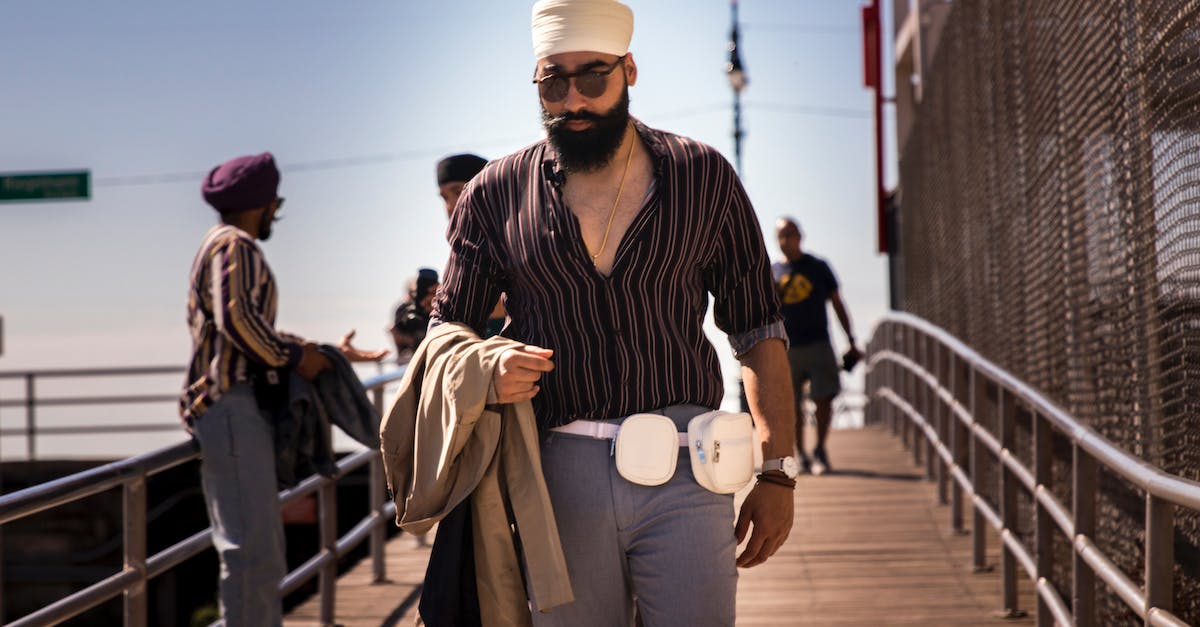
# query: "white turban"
581, 26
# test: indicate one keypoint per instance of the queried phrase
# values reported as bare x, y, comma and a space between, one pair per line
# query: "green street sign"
27, 186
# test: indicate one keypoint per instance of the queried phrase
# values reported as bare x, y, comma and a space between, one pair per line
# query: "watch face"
790, 467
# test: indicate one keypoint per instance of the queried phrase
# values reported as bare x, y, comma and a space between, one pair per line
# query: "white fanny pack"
646, 448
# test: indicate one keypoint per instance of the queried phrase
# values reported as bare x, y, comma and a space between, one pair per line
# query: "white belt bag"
646, 448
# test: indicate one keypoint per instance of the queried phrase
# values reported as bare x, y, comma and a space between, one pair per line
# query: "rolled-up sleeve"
743, 342
745, 305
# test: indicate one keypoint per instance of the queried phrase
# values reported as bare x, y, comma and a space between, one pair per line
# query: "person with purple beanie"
237, 353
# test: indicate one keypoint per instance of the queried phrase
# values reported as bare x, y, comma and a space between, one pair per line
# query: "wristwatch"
786, 464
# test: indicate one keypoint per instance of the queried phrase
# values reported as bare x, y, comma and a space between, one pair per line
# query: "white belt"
601, 430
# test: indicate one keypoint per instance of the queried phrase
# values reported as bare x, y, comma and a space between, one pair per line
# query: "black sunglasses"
278, 207
590, 83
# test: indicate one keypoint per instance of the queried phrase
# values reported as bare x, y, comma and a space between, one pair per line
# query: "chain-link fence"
1049, 216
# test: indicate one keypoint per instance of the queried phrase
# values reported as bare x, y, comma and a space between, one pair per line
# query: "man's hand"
312, 362
518, 371
354, 354
769, 508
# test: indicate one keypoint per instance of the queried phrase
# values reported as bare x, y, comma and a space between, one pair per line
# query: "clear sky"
358, 100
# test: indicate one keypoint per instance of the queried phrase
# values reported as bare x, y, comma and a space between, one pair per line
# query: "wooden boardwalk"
870, 546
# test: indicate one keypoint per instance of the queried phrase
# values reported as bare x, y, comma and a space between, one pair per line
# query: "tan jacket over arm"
441, 444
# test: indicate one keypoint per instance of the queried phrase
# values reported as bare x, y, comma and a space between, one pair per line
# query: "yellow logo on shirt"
794, 288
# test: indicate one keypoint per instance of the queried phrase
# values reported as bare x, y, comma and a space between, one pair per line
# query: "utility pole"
738, 81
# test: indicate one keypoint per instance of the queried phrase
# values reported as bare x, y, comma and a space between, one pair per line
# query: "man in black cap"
453, 172
236, 348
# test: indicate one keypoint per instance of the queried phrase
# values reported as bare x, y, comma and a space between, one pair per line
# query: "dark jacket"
303, 440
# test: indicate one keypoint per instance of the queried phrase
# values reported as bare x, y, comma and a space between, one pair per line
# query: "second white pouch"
722, 447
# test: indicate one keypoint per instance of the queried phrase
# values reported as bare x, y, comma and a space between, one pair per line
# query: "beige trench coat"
445, 439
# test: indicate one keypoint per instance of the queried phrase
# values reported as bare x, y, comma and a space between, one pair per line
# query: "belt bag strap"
602, 430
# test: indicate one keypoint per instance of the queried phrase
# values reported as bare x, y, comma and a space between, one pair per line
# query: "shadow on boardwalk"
870, 546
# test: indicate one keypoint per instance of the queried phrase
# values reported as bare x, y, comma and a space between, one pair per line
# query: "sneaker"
805, 464
822, 464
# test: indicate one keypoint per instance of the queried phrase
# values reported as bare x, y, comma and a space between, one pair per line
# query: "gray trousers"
237, 473
669, 548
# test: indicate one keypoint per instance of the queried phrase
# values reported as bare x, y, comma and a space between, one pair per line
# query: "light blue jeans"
669, 547
237, 473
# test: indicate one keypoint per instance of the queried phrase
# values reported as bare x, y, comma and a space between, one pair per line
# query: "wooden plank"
870, 546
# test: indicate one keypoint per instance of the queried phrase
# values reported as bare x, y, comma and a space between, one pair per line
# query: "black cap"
459, 168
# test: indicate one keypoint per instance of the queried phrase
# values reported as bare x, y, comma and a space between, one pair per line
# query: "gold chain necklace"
612, 214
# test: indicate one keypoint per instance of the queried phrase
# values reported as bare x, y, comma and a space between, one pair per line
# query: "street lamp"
738, 81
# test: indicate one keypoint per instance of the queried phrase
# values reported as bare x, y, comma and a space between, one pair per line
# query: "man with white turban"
608, 238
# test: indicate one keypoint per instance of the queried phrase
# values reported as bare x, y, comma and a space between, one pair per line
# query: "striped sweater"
231, 312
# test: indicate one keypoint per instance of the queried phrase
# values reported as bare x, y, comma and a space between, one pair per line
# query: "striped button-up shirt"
632, 341
231, 312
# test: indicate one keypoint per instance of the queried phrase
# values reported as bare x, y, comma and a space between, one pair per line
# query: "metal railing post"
1043, 451
957, 450
1083, 505
1005, 414
30, 420
918, 397
377, 397
134, 494
902, 391
894, 381
913, 397
869, 406
1160, 554
978, 533
327, 530
375, 504
933, 403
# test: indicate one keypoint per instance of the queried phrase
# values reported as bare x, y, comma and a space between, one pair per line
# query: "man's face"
450, 192
586, 131
789, 239
268, 218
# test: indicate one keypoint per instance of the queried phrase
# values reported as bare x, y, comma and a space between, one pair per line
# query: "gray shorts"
815, 363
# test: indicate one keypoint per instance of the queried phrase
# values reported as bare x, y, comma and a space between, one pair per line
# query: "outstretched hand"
353, 354
769, 508
518, 371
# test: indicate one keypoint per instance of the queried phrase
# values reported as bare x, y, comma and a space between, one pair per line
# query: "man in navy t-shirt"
805, 283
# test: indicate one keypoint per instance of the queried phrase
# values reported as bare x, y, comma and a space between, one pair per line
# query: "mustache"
568, 116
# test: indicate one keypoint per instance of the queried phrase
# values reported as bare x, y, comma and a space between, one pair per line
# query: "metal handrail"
914, 386
31, 401
131, 475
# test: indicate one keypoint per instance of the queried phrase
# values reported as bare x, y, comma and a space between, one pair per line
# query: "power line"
303, 166
807, 29
830, 112
418, 154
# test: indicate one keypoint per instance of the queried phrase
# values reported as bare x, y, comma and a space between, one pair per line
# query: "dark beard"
264, 226
591, 149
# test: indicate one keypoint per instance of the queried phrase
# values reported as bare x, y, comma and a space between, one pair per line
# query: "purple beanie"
241, 184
